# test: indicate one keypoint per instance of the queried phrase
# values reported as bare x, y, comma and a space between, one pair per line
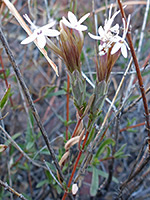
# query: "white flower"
120, 42
74, 23
110, 36
107, 33
40, 33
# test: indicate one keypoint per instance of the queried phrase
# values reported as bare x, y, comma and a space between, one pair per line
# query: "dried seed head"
72, 142
64, 157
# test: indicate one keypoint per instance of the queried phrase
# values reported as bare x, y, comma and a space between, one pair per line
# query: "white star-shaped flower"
40, 33
120, 42
74, 23
107, 33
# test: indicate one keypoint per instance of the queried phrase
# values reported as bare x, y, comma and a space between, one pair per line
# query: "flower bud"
71, 43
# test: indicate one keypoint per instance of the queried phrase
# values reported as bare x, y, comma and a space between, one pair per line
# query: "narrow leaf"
95, 182
103, 146
5, 97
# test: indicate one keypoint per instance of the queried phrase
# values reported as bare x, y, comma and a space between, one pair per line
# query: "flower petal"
84, 18
65, 21
72, 18
124, 51
47, 26
41, 40
116, 47
81, 27
29, 21
51, 33
95, 37
115, 29
29, 39
101, 31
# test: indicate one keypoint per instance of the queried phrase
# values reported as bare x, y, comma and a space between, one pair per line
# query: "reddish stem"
67, 105
17, 160
134, 126
77, 125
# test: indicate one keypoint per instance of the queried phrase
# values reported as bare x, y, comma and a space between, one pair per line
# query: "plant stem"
76, 128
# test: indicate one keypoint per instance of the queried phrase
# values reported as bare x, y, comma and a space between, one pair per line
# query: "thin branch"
10, 189
134, 102
140, 80
124, 3
145, 162
30, 101
50, 171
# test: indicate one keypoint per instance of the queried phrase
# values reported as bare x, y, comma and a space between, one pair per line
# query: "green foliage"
49, 90
14, 137
4, 99
59, 92
103, 174
7, 73
103, 146
30, 140
132, 98
90, 136
129, 123
95, 181
120, 152
82, 57
147, 72
42, 183
108, 152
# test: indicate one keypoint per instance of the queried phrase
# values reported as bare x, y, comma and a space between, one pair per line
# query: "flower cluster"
111, 45
109, 36
71, 41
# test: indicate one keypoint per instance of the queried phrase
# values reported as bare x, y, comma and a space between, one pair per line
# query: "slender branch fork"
30, 101
140, 81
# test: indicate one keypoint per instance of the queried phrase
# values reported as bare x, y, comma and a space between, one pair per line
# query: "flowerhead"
111, 45
40, 33
73, 23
